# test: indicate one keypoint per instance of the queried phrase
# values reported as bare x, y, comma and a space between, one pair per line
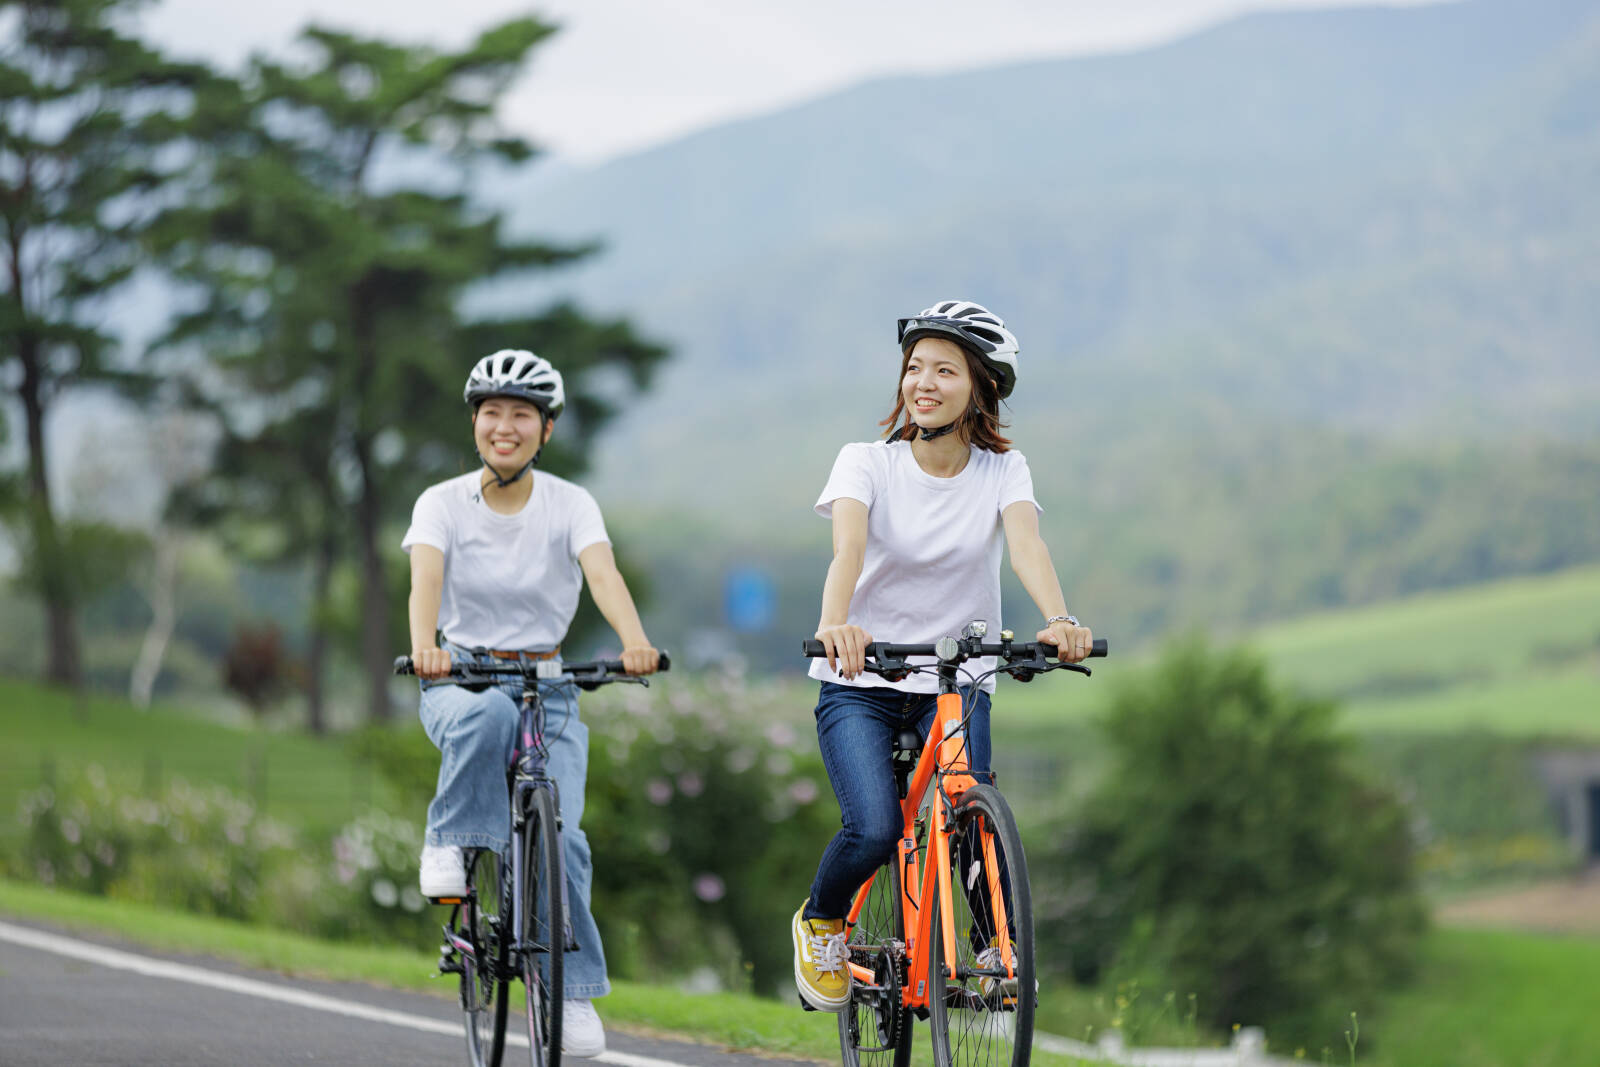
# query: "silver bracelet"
1062, 618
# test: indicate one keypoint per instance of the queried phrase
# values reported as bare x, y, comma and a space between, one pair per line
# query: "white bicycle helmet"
975, 328
517, 373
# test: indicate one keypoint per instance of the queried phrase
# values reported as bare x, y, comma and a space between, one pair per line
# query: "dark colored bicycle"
512, 924
944, 930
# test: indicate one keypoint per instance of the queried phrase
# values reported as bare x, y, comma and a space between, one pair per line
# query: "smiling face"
508, 432
937, 385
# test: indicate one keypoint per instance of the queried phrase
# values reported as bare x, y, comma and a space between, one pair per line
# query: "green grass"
1518, 657
1495, 999
726, 1019
305, 781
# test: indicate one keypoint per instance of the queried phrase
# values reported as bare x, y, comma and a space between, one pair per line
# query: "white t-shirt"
932, 560
511, 582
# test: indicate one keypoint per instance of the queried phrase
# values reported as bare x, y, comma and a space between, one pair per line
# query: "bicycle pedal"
450, 965
447, 900
804, 1004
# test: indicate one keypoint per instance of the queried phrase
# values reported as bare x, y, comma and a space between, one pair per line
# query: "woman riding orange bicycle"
918, 524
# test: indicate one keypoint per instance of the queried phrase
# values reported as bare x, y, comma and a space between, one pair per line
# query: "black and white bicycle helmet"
975, 328
517, 373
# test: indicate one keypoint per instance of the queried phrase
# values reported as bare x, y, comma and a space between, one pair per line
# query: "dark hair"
978, 425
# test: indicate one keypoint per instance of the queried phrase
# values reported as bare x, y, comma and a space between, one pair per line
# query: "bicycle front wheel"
484, 984
874, 1028
983, 1015
544, 934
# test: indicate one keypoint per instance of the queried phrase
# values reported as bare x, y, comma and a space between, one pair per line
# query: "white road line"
180, 972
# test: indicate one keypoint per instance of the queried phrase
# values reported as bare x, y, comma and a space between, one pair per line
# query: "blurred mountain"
1343, 261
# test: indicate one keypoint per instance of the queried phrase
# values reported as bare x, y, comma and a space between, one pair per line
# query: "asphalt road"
72, 999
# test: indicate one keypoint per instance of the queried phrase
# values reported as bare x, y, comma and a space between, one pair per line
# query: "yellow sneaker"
821, 962
992, 958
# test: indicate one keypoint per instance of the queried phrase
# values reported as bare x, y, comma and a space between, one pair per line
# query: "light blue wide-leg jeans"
474, 732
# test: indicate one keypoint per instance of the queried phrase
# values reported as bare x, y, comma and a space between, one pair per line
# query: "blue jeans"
856, 727
474, 732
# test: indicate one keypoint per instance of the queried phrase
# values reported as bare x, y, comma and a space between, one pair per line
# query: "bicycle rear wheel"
983, 1016
484, 983
544, 937
874, 1028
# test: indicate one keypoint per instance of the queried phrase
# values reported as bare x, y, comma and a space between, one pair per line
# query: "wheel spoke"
981, 1017
544, 932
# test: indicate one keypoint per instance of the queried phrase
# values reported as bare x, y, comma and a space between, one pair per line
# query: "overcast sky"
626, 74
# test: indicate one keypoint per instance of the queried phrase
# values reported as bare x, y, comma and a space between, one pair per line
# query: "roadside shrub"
362, 886
1233, 849
208, 851
197, 849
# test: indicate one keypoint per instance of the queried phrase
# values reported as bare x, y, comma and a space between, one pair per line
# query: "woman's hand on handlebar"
642, 659
845, 647
430, 663
1072, 642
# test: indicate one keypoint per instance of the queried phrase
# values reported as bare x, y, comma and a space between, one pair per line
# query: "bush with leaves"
193, 848
1233, 850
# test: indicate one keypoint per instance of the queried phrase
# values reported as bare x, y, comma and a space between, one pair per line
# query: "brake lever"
1078, 667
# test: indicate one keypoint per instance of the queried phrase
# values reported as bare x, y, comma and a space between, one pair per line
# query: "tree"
331, 246
88, 119
1232, 850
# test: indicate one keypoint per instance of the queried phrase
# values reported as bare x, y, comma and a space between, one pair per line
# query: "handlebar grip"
811, 647
402, 665
1097, 650
664, 663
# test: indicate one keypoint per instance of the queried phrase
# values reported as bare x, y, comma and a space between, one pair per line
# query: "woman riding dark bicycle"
918, 524
498, 557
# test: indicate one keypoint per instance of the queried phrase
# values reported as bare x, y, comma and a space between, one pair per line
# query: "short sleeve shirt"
511, 582
932, 559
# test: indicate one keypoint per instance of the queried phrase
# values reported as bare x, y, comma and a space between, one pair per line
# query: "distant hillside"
1267, 213
1306, 303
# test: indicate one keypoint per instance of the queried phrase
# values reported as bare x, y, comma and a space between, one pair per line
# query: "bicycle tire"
978, 1019
484, 984
544, 937
863, 1021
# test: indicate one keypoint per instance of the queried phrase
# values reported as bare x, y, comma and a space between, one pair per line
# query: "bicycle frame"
943, 761
527, 773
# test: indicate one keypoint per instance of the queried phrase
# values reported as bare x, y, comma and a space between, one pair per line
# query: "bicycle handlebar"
968, 649
589, 674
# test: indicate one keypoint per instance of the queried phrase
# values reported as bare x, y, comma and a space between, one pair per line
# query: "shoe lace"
829, 952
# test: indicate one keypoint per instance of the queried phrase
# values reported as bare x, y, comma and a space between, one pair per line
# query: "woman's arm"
1030, 561
611, 596
845, 644
427, 587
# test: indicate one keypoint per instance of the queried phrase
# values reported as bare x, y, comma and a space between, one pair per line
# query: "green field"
1517, 657
1496, 999
307, 782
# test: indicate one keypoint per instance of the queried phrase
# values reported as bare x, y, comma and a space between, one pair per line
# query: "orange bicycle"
947, 939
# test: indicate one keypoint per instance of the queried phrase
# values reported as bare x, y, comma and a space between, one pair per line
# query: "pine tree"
89, 121
332, 244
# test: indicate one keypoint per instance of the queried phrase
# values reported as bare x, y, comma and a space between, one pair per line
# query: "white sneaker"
443, 874
581, 1032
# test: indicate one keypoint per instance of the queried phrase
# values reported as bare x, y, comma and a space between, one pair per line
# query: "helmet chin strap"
503, 482
929, 435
